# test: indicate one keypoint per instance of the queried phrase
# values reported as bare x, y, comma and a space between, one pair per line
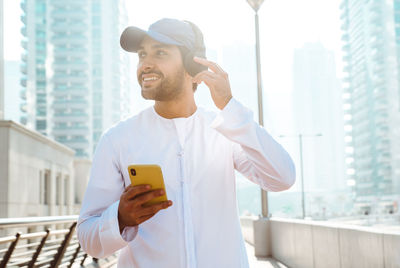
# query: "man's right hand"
131, 209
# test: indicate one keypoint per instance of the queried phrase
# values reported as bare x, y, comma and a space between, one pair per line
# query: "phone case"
148, 174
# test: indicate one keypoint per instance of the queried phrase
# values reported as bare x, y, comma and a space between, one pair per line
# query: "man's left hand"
216, 80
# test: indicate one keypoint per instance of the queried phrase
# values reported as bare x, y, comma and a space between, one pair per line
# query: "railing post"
74, 256
61, 250
84, 258
39, 248
10, 250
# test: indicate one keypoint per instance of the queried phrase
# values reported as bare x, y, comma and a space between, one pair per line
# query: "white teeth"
150, 78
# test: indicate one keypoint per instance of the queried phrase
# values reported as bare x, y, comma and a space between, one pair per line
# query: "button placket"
186, 204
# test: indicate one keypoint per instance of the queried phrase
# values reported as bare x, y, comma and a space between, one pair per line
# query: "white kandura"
198, 156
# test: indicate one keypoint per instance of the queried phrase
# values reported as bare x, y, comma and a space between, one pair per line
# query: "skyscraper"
75, 77
317, 109
371, 36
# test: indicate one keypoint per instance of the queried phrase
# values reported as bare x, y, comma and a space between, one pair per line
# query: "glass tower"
371, 53
75, 80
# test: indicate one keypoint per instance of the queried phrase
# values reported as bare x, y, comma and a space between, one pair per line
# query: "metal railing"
44, 242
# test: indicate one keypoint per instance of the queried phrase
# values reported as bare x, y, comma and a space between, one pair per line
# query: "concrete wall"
29, 156
247, 228
81, 174
3, 171
307, 244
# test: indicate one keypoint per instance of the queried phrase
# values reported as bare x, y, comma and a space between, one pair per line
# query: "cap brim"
132, 37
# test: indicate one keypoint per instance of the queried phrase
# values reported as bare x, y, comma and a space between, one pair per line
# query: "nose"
145, 65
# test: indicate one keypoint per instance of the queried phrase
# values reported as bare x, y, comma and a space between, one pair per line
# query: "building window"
66, 190
61, 138
46, 187
41, 187
40, 124
59, 187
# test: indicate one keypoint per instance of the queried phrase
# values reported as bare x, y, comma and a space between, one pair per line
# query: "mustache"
150, 72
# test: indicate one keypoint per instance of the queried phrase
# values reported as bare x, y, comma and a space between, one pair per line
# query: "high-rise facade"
75, 77
318, 117
371, 36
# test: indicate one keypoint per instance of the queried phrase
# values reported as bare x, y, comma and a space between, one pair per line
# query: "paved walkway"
262, 262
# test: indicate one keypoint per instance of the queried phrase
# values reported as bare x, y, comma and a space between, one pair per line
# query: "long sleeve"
98, 229
255, 153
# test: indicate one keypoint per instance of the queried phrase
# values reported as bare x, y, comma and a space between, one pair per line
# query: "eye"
141, 54
161, 53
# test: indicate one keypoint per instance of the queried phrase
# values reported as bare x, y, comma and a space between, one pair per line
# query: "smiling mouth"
152, 78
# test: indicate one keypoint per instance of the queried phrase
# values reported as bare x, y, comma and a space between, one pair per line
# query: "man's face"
160, 70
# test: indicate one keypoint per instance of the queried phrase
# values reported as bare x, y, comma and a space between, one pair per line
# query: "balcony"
22, 94
73, 52
77, 115
69, 27
380, 106
73, 14
23, 31
65, 39
23, 19
59, 65
74, 104
23, 107
70, 78
383, 159
24, 44
345, 37
23, 5
383, 145
384, 172
74, 131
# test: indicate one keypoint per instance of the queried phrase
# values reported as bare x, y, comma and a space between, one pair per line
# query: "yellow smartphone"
148, 174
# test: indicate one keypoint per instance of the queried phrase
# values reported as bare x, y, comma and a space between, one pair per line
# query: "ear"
187, 75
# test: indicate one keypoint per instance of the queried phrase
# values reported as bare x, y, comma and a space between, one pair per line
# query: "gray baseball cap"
167, 31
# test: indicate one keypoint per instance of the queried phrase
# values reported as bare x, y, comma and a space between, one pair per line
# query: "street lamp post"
300, 137
255, 4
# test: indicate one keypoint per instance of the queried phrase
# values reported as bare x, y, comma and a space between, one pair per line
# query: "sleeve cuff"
129, 233
111, 228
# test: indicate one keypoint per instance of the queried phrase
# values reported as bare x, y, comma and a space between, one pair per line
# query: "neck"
184, 106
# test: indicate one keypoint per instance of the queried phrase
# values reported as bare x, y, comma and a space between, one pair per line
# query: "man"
198, 152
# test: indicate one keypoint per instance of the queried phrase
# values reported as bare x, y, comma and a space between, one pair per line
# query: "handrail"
31, 221
57, 247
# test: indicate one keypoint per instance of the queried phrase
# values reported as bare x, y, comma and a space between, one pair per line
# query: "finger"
204, 75
212, 65
132, 191
144, 218
145, 197
152, 209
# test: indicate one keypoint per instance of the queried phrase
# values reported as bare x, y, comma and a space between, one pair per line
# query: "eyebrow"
155, 46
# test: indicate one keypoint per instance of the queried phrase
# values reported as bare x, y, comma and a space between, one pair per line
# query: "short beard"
169, 89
